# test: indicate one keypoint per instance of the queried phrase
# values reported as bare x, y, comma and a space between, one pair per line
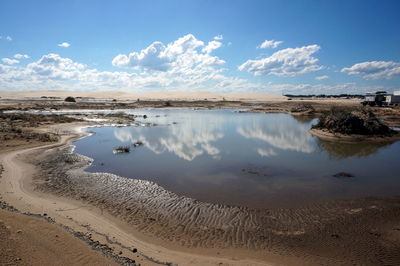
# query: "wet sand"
326, 135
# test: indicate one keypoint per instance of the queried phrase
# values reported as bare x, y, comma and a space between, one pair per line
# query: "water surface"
247, 159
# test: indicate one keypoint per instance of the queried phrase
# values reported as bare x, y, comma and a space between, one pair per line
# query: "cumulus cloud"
64, 44
4, 68
269, 44
21, 56
55, 66
211, 46
322, 77
180, 56
285, 63
53, 71
10, 61
374, 70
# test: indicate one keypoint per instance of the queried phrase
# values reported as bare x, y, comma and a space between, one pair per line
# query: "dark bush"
70, 99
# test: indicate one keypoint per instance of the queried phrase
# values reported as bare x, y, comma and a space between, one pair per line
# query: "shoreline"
90, 216
326, 135
19, 193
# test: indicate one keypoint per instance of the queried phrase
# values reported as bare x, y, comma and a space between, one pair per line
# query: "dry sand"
29, 240
120, 95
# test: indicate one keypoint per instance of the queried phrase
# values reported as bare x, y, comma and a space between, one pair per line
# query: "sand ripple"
157, 212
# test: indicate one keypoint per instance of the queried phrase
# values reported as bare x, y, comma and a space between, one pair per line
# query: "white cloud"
285, 63
8, 38
64, 44
211, 46
269, 44
56, 67
179, 57
4, 68
21, 56
53, 71
218, 37
322, 77
188, 141
375, 70
183, 67
268, 152
280, 135
10, 61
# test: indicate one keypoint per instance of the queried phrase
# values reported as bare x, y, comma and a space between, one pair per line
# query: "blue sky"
138, 46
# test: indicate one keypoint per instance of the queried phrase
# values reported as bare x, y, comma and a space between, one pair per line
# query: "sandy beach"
141, 221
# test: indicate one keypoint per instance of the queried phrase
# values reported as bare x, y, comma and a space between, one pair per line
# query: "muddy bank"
353, 125
359, 231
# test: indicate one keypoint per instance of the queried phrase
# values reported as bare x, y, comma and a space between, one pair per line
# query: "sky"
269, 46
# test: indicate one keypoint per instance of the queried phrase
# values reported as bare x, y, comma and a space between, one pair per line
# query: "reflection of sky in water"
249, 159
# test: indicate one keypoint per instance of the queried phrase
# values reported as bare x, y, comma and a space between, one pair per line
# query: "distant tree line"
348, 96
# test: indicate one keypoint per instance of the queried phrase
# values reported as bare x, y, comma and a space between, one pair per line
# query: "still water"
246, 159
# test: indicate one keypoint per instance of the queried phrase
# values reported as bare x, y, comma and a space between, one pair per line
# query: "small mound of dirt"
359, 122
303, 108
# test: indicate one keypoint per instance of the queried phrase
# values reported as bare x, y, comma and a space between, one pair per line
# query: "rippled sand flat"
336, 231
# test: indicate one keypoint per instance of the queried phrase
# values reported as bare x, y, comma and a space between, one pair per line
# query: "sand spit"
325, 233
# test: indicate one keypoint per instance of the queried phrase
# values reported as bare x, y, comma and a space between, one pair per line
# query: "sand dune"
121, 95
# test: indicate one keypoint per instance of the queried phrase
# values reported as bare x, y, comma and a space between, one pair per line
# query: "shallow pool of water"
247, 159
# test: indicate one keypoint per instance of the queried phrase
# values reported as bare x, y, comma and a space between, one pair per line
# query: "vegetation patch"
70, 99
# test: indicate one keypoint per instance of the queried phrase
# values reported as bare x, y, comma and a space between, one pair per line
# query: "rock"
137, 143
343, 174
134, 250
122, 149
19, 231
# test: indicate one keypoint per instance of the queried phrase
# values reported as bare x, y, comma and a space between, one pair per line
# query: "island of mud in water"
356, 125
